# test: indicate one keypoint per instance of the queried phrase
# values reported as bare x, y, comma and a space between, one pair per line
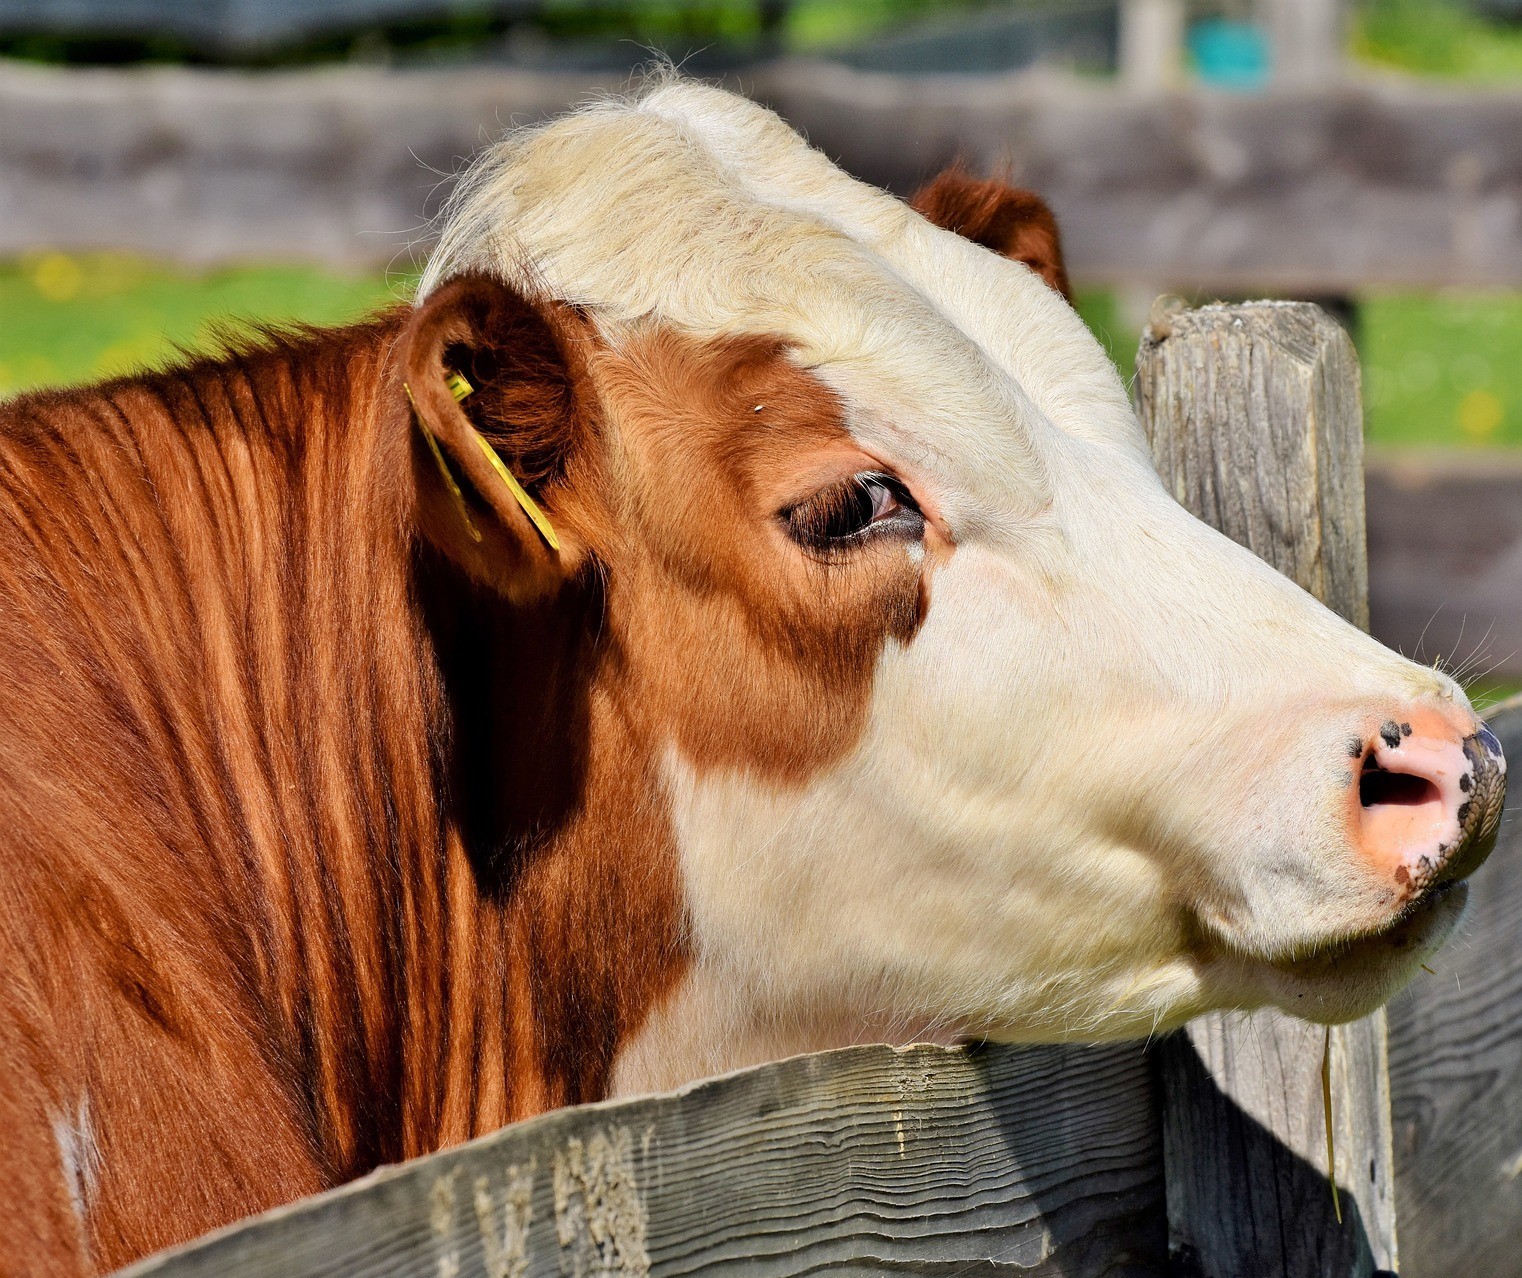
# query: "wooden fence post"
1254, 416
1306, 40
1151, 44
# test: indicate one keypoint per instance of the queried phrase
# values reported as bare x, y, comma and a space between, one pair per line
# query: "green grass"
70, 319
814, 25
1443, 369
464, 30
1102, 314
1438, 38
805, 25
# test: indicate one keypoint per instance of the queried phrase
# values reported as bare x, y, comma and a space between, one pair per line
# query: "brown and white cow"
876, 690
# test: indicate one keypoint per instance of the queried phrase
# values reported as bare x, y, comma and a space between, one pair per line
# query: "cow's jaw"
1343, 980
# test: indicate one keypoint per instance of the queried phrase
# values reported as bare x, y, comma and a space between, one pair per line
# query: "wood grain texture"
1456, 1077
1445, 557
927, 1160
1254, 418
1245, 1149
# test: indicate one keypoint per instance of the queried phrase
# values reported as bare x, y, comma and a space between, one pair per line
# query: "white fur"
78, 1156
1105, 786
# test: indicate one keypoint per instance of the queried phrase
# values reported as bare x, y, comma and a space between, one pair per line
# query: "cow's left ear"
495, 422
1010, 221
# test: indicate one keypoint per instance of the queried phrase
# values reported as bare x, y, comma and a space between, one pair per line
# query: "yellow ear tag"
460, 388
438, 456
530, 506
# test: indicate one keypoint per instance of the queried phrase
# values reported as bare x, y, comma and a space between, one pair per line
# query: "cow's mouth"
1410, 927
1348, 978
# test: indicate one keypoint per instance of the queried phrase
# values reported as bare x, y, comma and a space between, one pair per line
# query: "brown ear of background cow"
1004, 218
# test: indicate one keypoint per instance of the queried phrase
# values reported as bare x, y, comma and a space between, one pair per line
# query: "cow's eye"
847, 512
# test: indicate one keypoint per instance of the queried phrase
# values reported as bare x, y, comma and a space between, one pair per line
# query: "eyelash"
852, 511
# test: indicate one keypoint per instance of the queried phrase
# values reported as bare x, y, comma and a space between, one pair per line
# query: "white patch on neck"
78, 1156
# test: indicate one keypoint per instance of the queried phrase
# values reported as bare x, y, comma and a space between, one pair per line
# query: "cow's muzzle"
1429, 789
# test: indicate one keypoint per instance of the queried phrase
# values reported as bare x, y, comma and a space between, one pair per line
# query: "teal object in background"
1229, 54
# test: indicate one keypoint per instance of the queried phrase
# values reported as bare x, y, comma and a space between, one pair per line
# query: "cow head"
955, 722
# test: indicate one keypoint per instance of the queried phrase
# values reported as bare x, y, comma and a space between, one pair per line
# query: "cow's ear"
495, 420
1010, 221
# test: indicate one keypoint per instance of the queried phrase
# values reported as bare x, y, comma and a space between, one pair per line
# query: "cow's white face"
1114, 774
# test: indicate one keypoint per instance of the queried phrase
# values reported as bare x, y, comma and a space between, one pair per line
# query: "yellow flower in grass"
57, 277
1480, 414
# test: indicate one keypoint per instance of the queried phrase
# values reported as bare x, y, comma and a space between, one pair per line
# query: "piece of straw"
1326, 1110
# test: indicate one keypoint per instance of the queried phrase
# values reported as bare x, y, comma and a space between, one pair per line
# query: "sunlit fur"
312, 860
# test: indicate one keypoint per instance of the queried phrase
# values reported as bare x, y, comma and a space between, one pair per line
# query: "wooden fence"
1445, 556
864, 1161
1316, 191
1202, 1156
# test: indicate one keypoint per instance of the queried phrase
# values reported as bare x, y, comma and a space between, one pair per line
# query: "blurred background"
171, 166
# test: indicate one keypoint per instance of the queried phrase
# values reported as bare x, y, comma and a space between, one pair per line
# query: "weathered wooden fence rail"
865, 1161
1316, 192
1203, 1157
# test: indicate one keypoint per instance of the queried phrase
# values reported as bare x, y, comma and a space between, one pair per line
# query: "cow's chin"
1348, 979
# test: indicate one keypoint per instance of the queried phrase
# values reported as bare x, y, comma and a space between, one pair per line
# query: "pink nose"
1429, 798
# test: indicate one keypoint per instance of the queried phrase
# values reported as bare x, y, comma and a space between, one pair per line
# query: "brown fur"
332, 835
1003, 218
331, 824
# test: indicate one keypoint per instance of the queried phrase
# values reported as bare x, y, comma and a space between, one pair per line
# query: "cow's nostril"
1426, 798
1378, 787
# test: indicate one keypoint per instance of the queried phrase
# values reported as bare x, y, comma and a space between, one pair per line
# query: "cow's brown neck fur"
358, 916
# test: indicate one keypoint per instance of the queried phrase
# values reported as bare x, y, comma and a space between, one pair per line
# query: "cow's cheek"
1228, 708
934, 872
860, 907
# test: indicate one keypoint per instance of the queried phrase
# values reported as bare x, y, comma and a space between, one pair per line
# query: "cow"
728, 613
